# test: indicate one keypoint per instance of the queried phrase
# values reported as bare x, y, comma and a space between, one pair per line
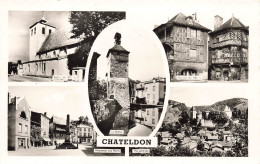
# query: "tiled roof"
166, 134
217, 145
117, 48
58, 120
232, 23
181, 19
180, 135
194, 137
57, 39
224, 144
212, 137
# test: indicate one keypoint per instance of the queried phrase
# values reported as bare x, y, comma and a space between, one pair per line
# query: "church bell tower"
39, 31
117, 75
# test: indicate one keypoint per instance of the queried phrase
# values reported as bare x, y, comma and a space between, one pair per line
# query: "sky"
207, 95
18, 33
20, 21
159, 14
55, 100
146, 55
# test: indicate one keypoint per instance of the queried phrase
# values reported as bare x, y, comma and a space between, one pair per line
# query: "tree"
79, 58
88, 25
184, 118
35, 135
200, 146
83, 120
218, 117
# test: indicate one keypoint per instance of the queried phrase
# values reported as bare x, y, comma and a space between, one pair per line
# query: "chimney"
117, 38
218, 21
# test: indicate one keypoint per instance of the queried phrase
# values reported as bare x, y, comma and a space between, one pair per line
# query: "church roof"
118, 48
232, 23
181, 19
57, 39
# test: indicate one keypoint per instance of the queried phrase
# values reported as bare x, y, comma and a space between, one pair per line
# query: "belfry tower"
38, 33
117, 75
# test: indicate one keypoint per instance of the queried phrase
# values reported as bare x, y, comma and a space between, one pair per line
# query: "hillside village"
219, 129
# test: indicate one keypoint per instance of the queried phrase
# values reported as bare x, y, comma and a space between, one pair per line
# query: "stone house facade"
42, 121
186, 44
85, 133
228, 50
18, 123
57, 130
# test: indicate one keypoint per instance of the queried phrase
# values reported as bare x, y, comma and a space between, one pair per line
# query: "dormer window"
43, 30
189, 20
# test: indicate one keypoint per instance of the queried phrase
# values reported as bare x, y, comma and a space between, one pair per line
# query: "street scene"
34, 129
203, 126
19, 78
51, 50
128, 95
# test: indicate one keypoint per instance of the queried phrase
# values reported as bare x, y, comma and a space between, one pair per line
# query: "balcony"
229, 42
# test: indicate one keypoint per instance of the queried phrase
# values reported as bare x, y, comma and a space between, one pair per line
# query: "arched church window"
49, 31
23, 115
54, 53
43, 30
34, 30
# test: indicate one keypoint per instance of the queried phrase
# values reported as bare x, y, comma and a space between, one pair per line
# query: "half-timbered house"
228, 50
185, 42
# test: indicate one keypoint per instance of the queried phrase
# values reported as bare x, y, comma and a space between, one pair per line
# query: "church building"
49, 51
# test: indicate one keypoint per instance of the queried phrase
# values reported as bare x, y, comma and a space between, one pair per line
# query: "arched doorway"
189, 72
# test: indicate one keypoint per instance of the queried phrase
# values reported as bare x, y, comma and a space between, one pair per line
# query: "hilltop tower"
193, 113
117, 75
228, 111
39, 31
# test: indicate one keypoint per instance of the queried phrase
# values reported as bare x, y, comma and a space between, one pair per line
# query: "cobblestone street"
83, 150
17, 78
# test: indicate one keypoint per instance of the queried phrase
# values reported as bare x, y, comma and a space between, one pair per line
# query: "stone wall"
92, 77
109, 115
119, 89
118, 68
